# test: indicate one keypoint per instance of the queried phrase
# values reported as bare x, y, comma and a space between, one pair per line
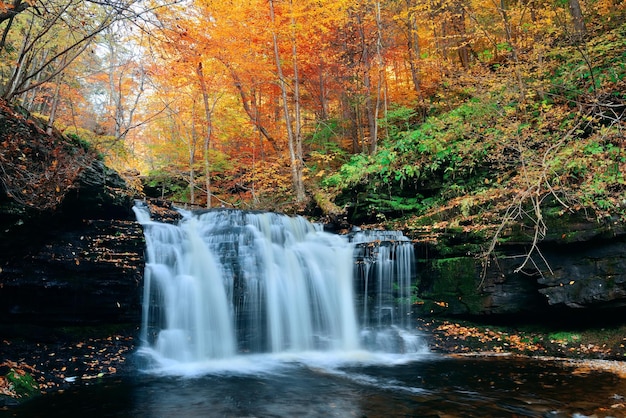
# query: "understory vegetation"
493, 152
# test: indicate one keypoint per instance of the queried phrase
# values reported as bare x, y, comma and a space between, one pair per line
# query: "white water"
223, 283
388, 285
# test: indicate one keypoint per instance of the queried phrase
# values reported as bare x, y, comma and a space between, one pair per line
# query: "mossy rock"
454, 286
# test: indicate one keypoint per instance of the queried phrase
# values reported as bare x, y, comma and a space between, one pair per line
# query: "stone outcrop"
81, 263
87, 273
581, 267
590, 274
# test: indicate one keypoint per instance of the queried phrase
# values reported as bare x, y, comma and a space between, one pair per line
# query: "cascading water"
385, 261
224, 282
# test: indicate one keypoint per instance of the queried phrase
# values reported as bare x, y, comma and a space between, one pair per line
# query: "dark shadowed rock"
100, 193
70, 250
81, 263
583, 267
586, 275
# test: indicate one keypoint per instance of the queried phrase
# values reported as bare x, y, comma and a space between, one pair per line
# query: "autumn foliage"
256, 103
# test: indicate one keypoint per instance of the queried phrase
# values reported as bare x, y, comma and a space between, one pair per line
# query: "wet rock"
589, 275
584, 268
80, 273
100, 193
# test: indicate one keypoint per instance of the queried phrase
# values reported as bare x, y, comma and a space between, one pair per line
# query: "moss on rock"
454, 288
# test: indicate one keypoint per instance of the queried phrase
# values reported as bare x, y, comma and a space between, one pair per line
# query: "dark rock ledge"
579, 274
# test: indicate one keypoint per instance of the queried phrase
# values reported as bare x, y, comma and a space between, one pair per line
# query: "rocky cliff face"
581, 266
70, 251
79, 264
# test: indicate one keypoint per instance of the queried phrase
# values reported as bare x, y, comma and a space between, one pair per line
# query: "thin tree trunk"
300, 195
295, 163
514, 53
250, 106
577, 19
192, 155
367, 84
413, 48
16, 76
5, 33
322, 94
208, 114
380, 81
54, 105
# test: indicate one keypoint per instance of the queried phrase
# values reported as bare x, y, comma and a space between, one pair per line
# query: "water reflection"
431, 387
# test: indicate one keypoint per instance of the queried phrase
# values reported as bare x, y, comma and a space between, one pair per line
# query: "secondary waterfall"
225, 282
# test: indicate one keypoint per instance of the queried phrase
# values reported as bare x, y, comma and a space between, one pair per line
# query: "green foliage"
22, 384
325, 154
399, 119
325, 136
79, 142
351, 173
586, 69
561, 139
219, 162
167, 183
438, 155
564, 336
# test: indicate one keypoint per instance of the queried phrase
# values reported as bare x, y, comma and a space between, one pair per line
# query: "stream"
250, 314
425, 385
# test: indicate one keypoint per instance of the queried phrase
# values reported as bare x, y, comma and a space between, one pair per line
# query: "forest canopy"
378, 109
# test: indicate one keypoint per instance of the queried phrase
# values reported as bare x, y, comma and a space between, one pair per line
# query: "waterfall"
386, 266
224, 282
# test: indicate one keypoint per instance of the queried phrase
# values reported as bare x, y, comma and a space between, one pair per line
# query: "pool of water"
424, 386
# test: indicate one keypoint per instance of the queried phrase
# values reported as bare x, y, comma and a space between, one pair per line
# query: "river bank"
61, 357
531, 339
65, 357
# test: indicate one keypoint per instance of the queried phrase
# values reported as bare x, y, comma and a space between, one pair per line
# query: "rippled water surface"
429, 386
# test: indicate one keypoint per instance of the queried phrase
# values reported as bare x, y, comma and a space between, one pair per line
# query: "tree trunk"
300, 195
322, 94
578, 21
208, 114
54, 105
380, 80
413, 48
514, 53
296, 159
250, 106
192, 155
370, 112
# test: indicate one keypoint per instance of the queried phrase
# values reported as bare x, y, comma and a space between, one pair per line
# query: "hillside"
515, 197
500, 155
